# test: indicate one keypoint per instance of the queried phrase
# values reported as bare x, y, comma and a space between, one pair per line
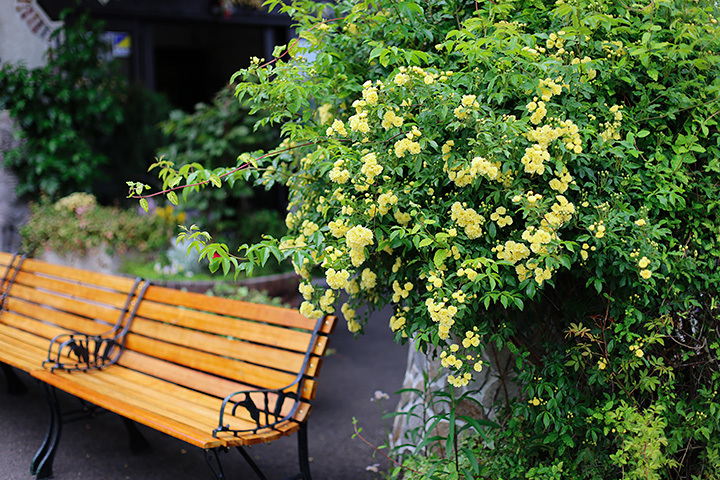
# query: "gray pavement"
97, 448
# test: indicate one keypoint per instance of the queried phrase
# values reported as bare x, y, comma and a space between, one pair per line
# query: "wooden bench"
213, 372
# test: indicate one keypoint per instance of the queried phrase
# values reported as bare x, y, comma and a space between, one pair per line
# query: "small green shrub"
76, 224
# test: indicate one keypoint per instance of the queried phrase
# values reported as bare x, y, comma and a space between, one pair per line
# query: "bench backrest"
218, 345
44, 300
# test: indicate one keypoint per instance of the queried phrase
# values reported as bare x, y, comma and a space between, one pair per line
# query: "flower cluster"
357, 238
468, 103
78, 203
442, 314
468, 219
645, 273
462, 362
611, 128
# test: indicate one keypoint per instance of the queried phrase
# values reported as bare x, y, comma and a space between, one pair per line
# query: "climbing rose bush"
531, 175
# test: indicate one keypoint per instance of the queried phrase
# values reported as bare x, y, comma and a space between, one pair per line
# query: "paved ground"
96, 449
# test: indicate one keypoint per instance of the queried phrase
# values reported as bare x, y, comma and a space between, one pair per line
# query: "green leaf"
439, 258
425, 242
173, 198
144, 204
309, 36
519, 303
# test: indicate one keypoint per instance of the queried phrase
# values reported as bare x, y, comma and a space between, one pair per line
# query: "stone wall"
13, 211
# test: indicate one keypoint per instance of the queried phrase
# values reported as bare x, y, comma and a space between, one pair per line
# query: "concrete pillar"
494, 384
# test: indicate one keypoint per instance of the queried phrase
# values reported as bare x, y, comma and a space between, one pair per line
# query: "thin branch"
228, 173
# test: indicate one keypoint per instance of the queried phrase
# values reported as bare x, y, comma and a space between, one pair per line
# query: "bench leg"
303, 456
42, 463
216, 465
252, 463
303, 453
15, 386
138, 443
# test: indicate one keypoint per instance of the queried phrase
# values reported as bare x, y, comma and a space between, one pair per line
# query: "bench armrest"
265, 407
94, 352
91, 352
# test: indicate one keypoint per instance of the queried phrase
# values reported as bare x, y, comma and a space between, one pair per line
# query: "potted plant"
76, 230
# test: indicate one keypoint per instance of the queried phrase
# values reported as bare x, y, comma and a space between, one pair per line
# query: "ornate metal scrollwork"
265, 415
90, 352
93, 352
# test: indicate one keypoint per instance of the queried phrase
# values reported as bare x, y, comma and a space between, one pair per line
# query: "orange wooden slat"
220, 345
173, 376
329, 324
8, 268
31, 326
27, 349
70, 289
200, 413
178, 374
224, 306
21, 355
183, 427
196, 379
221, 325
321, 345
68, 321
5, 258
188, 406
111, 282
224, 367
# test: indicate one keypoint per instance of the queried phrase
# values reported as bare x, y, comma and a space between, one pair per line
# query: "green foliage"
67, 111
76, 224
531, 176
134, 142
212, 137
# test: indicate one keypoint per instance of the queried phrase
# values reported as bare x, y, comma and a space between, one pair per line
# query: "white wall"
18, 41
